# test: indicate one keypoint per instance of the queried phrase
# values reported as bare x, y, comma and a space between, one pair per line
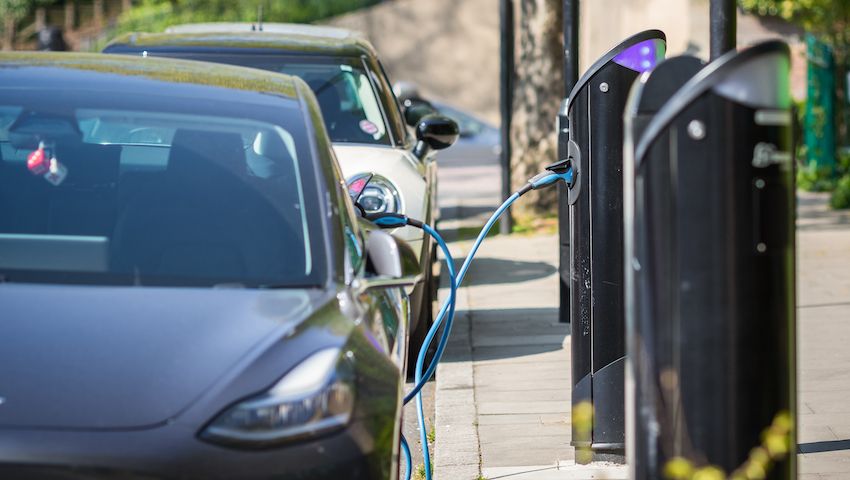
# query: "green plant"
470, 233
155, 15
841, 196
419, 474
432, 435
535, 224
820, 180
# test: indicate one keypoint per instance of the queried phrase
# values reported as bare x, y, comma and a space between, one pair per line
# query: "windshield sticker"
368, 127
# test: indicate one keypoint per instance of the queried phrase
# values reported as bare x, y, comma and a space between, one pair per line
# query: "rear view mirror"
392, 262
29, 130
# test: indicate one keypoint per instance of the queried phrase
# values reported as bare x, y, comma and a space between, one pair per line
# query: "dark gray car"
185, 291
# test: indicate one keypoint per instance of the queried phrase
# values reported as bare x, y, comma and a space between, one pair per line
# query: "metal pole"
722, 16
571, 43
506, 28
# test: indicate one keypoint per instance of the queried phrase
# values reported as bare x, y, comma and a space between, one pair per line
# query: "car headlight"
314, 398
379, 195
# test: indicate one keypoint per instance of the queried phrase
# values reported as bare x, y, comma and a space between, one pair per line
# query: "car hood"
78, 357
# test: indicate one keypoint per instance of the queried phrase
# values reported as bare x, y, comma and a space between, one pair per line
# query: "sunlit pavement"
823, 339
502, 398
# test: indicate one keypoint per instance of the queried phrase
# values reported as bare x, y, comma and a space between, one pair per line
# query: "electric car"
186, 290
369, 133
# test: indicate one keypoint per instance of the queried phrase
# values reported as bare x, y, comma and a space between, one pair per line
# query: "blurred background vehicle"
363, 117
186, 290
479, 143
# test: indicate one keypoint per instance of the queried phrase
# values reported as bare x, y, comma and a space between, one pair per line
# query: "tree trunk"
70, 21
40, 19
538, 90
9, 28
98, 13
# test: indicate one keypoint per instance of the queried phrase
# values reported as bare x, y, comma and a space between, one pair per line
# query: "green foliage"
811, 180
156, 15
841, 196
419, 474
18, 9
829, 21
829, 18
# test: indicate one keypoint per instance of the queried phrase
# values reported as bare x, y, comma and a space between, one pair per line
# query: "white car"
369, 132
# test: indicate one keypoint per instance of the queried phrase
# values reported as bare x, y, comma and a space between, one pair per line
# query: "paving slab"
491, 432
565, 471
549, 393
525, 419
520, 354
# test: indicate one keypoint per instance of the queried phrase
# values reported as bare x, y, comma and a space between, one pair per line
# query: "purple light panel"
642, 56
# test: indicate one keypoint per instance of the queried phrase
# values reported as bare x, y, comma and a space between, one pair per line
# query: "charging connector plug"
561, 170
387, 220
392, 220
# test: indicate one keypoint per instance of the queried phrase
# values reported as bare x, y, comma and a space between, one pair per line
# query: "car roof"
241, 27
140, 75
275, 38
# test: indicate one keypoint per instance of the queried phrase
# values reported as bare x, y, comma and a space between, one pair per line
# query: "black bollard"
710, 269
595, 111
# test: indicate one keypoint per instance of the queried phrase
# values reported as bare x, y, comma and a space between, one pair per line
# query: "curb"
456, 451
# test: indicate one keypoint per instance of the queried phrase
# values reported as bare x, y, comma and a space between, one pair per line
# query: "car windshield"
142, 190
342, 85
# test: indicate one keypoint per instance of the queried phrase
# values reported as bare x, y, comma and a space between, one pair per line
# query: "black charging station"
595, 111
710, 267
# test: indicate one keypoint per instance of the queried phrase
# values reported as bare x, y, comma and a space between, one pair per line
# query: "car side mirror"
416, 110
435, 132
391, 261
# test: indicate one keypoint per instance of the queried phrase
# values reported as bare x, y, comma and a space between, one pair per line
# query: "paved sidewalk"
823, 340
503, 388
502, 399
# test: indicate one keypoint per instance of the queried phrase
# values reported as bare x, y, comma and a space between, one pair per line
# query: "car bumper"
173, 452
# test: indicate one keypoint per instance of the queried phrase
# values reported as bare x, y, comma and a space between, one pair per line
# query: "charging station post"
595, 110
571, 43
710, 269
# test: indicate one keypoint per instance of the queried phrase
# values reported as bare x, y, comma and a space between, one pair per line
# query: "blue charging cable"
406, 449
558, 171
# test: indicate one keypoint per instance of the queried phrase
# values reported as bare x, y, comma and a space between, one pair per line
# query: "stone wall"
450, 48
